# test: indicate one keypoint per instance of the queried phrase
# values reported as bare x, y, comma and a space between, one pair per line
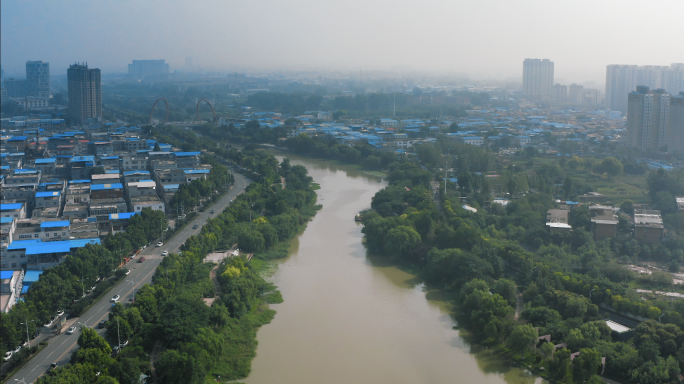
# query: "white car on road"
159, 244
115, 298
8, 355
165, 253
71, 330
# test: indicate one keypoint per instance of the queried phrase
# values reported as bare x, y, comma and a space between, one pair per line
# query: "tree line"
192, 342
483, 259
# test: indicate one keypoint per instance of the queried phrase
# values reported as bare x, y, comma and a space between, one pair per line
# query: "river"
348, 318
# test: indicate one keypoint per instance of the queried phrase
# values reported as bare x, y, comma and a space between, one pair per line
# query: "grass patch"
274, 297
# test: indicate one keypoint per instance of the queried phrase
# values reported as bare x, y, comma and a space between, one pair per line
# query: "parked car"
71, 330
52, 367
60, 313
159, 244
102, 324
128, 272
212, 212
165, 253
194, 226
8, 355
141, 259
115, 298
17, 349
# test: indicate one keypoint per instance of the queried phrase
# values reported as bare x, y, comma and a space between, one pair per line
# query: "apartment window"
63, 233
14, 256
14, 265
55, 234
47, 235
36, 235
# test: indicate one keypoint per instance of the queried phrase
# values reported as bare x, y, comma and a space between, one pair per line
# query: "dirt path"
217, 287
519, 305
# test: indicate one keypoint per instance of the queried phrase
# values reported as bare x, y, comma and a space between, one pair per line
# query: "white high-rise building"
623, 79
538, 79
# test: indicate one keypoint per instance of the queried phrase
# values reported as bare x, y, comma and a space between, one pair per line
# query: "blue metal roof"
31, 276
46, 161
79, 181
184, 154
54, 224
6, 274
196, 171
138, 172
10, 207
48, 247
125, 215
22, 244
6, 220
48, 194
99, 187
112, 171
83, 158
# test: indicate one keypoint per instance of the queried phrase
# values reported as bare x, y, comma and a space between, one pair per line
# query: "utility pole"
446, 167
118, 334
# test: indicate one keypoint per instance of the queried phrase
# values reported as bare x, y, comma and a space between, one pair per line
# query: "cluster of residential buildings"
504, 127
647, 225
64, 189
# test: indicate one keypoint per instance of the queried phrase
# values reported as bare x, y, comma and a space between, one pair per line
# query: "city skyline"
400, 39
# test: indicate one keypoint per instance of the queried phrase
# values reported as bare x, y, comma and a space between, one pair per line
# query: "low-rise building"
557, 221
194, 174
105, 178
604, 222
106, 191
48, 199
648, 225
153, 202
17, 210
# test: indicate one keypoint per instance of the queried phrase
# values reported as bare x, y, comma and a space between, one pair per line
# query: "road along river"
349, 318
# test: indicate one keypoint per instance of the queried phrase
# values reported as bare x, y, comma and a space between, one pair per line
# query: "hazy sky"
484, 38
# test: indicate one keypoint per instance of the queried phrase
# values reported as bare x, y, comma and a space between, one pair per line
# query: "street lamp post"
660, 317
28, 339
590, 293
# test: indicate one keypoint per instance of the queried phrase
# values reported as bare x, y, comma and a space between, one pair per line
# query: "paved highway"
61, 346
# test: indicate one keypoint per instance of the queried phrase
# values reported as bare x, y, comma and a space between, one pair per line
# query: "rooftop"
48, 194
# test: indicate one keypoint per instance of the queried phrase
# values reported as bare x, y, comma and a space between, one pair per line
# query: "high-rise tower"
647, 118
38, 78
538, 79
85, 93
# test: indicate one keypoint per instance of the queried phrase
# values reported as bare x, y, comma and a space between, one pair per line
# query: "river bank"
348, 317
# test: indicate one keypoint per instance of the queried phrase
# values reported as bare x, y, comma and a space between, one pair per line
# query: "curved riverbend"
349, 318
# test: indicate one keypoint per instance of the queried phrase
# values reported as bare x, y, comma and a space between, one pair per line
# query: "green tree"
586, 365
90, 339
522, 338
401, 239
157, 148
559, 366
627, 207
507, 289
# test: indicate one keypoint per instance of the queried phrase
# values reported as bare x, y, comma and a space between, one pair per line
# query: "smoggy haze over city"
483, 39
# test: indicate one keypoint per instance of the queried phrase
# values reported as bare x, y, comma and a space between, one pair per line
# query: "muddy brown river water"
349, 318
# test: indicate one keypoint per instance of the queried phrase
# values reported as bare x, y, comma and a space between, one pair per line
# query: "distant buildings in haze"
623, 79
655, 119
148, 68
36, 84
538, 79
85, 93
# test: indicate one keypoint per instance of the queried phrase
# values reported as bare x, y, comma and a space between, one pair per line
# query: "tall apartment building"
648, 112
575, 93
560, 92
676, 122
538, 78
148, 68
38, 78
622, 79
85, 93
